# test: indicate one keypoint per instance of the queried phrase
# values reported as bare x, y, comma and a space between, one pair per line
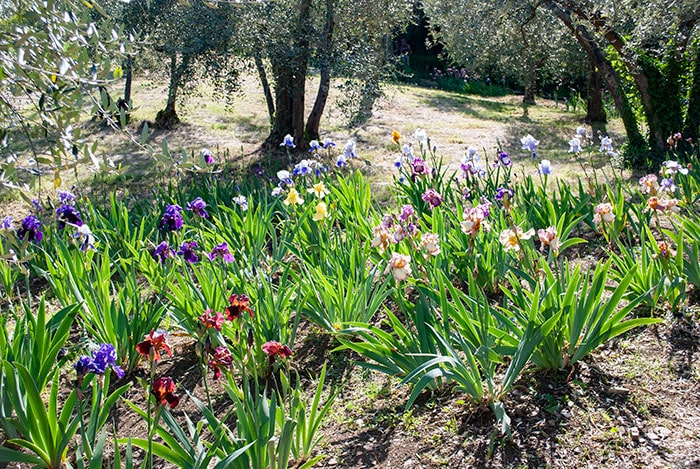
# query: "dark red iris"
238, 304
163, 389
154, 343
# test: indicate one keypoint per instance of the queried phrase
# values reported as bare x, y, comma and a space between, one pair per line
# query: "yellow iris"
321, 211
395, 136
318, 189
293, 198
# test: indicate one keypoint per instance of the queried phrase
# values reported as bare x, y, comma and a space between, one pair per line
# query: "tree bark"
265, 86
530, 87
313, 123
657, 91
596, 112
127, 84
167, 118
595, 54
290, 77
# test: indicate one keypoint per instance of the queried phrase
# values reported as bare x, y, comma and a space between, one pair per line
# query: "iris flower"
238, 304
319, 190
30, 229
222, 251
163, 388
321, 212
187, 250
293, 198
400, 266
510, 239
198, 207
274, 349
212, 320
288, 141
154, 343
172, 218
221, 358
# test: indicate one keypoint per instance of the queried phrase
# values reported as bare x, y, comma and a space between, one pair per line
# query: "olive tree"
337, 37
54, 57
649, 51
194, 42
514, 39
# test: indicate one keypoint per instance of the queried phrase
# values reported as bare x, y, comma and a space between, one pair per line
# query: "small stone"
408, 463
663, 432
652, 436
634, 433
332, 462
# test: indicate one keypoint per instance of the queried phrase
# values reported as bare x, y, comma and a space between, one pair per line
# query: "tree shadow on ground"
684, 340
470, 105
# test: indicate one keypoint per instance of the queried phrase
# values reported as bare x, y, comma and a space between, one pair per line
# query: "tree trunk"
663, 111
636, 141
313, 123
282, 124
167, 118
529, 96
127, 84
290, 78
658, 84
124, 104
265, 86
596, 112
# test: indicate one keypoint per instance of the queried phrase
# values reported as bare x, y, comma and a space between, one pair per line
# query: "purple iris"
432, 197
419, 166
502, 192
198, 206
6, 223
172, 218
82, 366
504, 159
667, 185
30, 229
162, 252
315, 146
67, 214
37, 206
65, 197
221, 250
208, 157
105, 357
407, 212
187, 250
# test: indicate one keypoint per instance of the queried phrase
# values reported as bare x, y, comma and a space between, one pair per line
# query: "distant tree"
649, 49
337, 37
53, 59
509, 38
194, 40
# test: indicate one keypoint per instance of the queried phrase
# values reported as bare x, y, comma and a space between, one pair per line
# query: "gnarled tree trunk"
290, 78
313, 123
596, 112
167, 118
596, 55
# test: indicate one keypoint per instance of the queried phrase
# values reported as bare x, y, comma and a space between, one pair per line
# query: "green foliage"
112, 313
583, 318
53, 58
43, 431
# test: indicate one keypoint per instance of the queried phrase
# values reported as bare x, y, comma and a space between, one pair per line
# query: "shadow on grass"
472, 106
